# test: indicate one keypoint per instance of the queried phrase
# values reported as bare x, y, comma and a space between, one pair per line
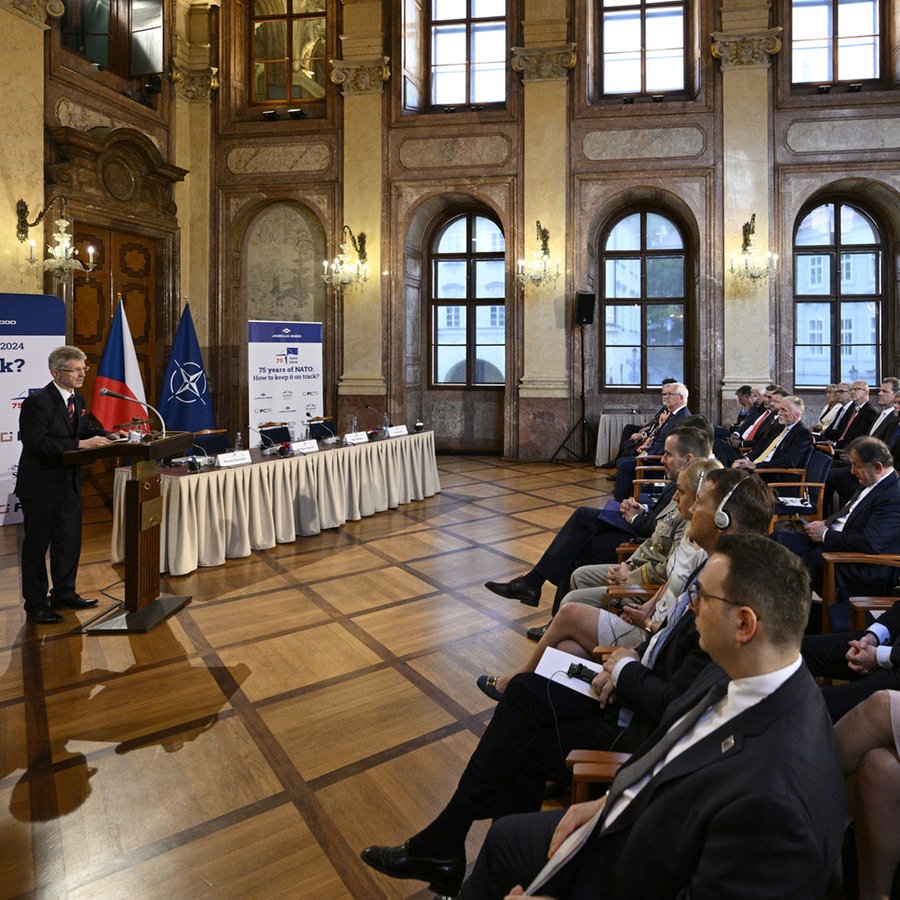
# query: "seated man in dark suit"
868, 661
854, 422
675, 398
588, 539
840, 478
537, 722
763, 418
786, 447
738, 793
869, 523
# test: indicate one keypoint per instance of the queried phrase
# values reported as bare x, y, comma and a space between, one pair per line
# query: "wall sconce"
62, 260
344, 271
540, 270
755, 269
271, 115
297, 113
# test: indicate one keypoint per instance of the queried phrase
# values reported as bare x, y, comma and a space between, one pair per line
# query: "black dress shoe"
444, 876
44, 616
73, 602
516, 589
536, 633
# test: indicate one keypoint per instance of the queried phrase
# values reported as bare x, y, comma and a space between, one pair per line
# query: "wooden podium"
144, 607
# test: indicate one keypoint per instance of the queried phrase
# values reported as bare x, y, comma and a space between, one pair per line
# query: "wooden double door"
127, 265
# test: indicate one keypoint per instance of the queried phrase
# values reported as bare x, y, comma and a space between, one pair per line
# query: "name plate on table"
397, 431
310, 446
236, 458
356, 437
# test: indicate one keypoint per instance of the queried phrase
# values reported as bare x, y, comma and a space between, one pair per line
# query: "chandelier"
540, 270
756, 269
62, 261
348, 270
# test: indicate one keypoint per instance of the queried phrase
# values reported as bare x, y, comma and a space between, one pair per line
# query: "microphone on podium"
106, 392
385, 418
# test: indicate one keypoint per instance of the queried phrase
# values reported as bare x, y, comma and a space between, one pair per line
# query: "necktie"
849, 423
644, 766
751, 431
766, 454
70, 408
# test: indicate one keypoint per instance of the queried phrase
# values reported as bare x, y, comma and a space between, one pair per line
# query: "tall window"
643, 301
643, 46
124, 36
838, 278
835, 40
288, 51
468, 288
454, 54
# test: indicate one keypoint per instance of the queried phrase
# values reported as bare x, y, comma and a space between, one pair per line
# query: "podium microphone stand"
144, 606
584, 315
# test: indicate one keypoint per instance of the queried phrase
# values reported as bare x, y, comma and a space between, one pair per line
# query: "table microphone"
268, 449
106, 392
334, 438
384, 415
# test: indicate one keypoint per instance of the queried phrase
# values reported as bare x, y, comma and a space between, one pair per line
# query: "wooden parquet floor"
312, 699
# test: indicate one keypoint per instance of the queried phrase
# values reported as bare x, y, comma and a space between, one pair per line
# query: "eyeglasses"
696, 593
82, 371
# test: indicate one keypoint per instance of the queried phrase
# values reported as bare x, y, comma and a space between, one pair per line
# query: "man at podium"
52, 421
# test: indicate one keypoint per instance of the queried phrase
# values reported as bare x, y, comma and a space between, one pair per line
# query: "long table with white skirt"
609, 432
220, 514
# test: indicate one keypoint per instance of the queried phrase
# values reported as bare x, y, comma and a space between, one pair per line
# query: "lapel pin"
728, 743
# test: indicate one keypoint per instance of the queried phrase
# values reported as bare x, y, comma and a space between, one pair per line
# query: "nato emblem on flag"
184, 399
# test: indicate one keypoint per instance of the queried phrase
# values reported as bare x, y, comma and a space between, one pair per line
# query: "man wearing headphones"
537, 722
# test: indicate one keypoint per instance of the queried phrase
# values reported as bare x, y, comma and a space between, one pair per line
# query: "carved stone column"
362, 73
194, 82
545, 63
745, 47
22, 27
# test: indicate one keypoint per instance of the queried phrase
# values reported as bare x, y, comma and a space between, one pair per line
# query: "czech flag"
184, 399
119, 372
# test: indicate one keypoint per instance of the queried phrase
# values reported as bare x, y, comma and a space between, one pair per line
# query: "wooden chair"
593, 767
829, 577
808, 482
859, 606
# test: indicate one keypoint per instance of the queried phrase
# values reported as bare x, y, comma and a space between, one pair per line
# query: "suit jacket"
873, 526
659, 439
790, 453
861, 424
755, 809
837, 424
890, 619
46, 433
649, 692
886, 429
644, 524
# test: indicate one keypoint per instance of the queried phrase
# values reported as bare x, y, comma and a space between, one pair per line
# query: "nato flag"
184, 399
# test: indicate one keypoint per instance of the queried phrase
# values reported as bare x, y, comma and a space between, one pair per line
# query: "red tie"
755, 427
70, 408
849, 423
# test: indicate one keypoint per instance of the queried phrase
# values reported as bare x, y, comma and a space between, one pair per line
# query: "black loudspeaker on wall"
584, 307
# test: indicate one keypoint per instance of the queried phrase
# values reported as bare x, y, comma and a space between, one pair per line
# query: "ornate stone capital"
365, 76
194, 84
37, 10
544, 63
750, 50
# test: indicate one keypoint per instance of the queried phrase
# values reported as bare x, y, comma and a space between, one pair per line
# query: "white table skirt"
609, 432
221, 514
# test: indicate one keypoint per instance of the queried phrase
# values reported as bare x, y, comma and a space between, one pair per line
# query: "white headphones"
722, 519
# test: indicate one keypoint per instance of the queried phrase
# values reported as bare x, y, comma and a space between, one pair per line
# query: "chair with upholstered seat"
211, 440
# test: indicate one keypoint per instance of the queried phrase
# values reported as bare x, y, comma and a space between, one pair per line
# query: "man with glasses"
674, 399
738, 793
52, 421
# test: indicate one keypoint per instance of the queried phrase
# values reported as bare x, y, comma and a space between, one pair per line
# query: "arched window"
643, 291
838, 295
467, 299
